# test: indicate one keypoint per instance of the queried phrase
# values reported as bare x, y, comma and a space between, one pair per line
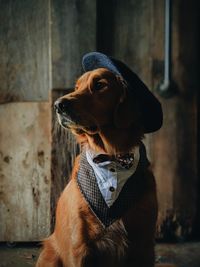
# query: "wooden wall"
41, 43
25, 54
135, 33
25, 171
174, 148
73, 32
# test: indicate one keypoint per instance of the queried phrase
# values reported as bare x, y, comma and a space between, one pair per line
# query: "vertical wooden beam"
25, 171
73, 35
174, 147
186, 72
196, 229
124, 31
64, 150
24, 49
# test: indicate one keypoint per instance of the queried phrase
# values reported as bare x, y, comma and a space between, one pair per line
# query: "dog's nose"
62, 105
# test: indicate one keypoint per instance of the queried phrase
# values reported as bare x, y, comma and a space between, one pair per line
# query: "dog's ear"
125, 111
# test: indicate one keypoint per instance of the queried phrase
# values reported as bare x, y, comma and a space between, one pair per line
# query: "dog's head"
101, 109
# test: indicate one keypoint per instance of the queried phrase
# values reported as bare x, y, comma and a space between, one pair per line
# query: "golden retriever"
106, 119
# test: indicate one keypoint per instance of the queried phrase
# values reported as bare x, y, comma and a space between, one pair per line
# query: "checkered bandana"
132, 189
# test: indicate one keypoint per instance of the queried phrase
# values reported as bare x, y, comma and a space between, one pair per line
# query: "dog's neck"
107, 141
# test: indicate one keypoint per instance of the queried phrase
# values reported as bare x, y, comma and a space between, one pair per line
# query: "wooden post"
24, 48
73, 34
174, 147
25, 179
63, 152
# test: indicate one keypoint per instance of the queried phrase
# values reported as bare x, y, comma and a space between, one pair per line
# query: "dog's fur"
104, 116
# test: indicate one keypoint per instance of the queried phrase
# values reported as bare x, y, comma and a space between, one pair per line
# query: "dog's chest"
110, 248
88, 186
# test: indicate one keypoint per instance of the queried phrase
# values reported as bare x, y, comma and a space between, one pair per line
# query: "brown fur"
107, 119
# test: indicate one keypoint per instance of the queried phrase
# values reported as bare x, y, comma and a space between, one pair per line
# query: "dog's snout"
62, 105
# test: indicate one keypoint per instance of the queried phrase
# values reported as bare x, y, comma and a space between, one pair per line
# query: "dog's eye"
99, 85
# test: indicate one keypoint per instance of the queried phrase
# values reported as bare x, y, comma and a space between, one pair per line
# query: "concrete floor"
18, 256
183, 254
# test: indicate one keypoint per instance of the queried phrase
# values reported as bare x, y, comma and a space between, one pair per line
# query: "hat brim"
151, 110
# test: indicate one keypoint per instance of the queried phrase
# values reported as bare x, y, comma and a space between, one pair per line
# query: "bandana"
112, 172
132, 189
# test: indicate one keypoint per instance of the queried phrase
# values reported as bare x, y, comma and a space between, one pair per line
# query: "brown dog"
106, 120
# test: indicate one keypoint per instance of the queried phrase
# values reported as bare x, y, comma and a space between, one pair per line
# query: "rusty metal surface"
24, 171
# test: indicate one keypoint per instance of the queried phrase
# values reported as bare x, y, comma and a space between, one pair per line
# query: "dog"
106, 215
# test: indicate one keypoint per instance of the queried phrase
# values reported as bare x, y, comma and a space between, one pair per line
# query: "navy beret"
151, 110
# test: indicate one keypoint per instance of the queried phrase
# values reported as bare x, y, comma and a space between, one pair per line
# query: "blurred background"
41, 46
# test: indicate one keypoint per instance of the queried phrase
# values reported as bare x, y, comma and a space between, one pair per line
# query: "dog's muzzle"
69, 119
62, 105
63, 108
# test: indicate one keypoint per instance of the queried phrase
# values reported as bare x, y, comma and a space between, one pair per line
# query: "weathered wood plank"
24, 171
24, 48
124, 31
63, 152
174, 147
73, 34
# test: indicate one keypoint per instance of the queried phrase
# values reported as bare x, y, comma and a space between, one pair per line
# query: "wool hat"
151, 110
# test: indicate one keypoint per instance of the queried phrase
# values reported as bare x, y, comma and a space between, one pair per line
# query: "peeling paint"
7, 159
41, 159
25, 161
36, 196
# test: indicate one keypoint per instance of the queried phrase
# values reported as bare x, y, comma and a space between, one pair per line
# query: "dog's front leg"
49, 256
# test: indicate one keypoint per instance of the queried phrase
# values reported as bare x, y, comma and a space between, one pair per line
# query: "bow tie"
123, 160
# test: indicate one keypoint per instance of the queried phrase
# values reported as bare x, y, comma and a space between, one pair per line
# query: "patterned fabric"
130, 192
123, 160
110, 174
